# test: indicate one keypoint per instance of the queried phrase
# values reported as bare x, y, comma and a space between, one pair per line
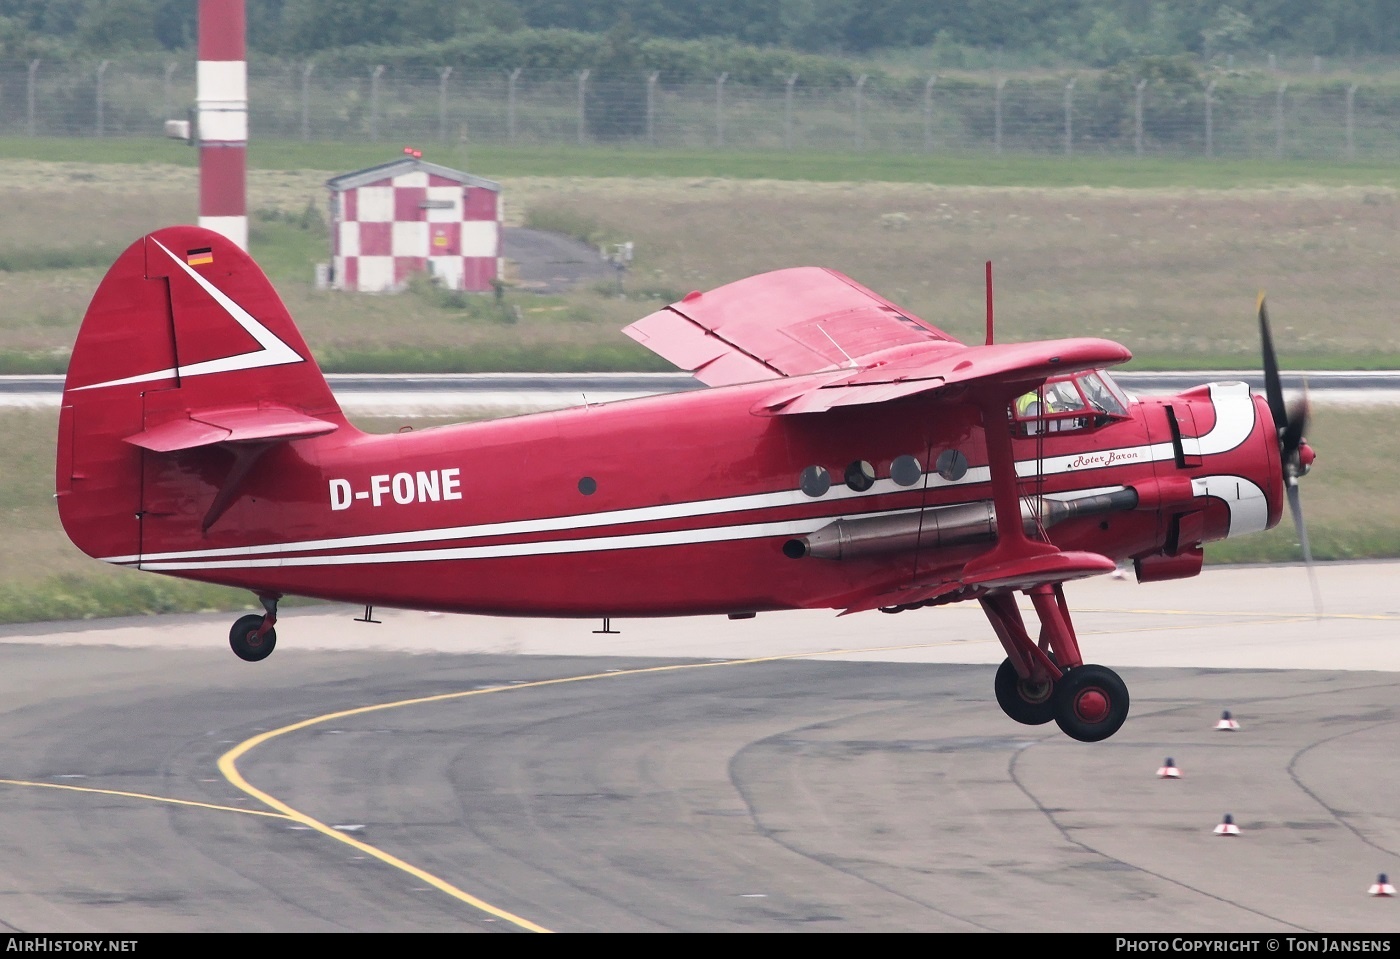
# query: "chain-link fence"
939, 115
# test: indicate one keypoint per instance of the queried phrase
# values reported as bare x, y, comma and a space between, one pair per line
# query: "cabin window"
906, 471
951, 465
814, 481
860, 476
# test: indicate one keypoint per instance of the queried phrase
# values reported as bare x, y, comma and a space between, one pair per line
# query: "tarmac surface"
794, 772
455, 395
546, 262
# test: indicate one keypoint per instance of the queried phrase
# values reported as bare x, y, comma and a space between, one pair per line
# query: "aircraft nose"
1305, 457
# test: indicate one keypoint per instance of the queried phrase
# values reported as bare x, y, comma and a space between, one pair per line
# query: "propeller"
1296, 455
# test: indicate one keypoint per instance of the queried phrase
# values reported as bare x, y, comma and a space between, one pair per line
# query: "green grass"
624, 357
92, 595
1159, 264
285, 245
1328, 543
60, 258
637, 161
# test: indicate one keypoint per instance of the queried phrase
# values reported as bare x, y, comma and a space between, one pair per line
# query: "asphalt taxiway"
797, 771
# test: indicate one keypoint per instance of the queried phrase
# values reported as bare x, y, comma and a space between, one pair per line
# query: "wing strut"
1019, 563
1013, 545
989, 302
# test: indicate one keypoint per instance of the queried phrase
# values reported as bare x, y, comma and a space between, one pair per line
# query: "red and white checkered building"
410, 216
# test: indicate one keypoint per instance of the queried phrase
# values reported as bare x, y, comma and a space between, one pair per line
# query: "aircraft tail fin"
185, 346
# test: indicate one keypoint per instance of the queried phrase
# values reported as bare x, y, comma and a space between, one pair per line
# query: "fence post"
928, 113
1137, 116
169, 72
33, 72
1278, 122
787, 112
442, 103
1069, 117
996, 133
582, 103
1351, 103
860, 118
719, 108
374, 76
1210, 132
510, 104
651, 106
101, 74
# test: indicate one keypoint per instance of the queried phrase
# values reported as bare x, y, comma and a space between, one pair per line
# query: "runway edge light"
1227, 721
1227, 827
1168, 770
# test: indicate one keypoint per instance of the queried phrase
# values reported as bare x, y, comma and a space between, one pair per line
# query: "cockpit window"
1101, 393
1062, 397
1071, 403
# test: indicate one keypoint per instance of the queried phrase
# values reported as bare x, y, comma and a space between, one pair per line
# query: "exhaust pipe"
944, 526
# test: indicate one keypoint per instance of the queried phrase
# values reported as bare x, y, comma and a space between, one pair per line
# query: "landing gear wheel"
1090, 703
246, 643
1024, 701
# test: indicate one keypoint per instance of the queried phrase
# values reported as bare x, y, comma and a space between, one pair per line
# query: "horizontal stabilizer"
246, 425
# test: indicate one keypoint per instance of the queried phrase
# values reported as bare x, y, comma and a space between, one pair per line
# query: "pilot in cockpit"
1060, 397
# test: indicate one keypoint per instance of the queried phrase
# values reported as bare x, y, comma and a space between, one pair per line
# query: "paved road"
546, 262
404, 393
507, 774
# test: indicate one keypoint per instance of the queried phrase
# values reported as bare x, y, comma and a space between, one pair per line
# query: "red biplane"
848, 455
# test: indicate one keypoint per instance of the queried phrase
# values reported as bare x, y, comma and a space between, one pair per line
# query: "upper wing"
809, 320
1025, 365
784, 323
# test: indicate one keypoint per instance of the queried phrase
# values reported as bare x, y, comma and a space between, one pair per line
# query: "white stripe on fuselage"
1234, 410
619, 517
709, 534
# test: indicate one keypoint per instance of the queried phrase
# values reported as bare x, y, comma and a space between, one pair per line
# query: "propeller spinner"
1294, 452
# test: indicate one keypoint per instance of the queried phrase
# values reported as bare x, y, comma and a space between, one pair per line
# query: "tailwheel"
1028, 702
1090, 703
248, 639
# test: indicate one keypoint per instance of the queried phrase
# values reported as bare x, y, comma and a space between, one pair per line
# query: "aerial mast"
221, 118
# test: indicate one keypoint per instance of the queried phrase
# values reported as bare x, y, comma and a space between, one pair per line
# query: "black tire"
244, 641
1090, 703
1028, 703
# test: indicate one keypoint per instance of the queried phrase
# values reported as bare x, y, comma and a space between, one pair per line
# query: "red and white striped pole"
221, 113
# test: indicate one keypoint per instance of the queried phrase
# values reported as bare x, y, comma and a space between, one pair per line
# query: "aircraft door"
1171, 424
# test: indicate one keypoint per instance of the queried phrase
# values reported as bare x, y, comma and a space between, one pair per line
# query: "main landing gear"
252, 637
1040, 682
